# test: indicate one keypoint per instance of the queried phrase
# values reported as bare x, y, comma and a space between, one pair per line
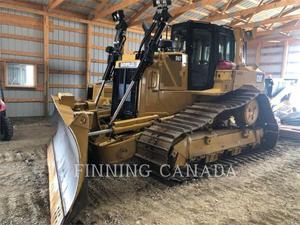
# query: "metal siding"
64, 64
58, 34
28, 108
293, 71
270, 59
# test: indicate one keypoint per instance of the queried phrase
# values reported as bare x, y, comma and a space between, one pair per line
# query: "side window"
225, 48
201, 47
21, 75
179, 40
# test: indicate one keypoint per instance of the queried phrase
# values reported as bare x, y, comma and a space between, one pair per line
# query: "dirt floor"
265, 190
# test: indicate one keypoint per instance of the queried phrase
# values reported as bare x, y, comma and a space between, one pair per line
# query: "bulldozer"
186, 99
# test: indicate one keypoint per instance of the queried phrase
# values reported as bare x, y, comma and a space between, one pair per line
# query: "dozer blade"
67, 157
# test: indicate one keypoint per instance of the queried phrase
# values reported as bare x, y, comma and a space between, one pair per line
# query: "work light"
118, 15
161, 3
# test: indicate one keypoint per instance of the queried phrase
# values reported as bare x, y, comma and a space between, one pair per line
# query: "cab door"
200, 77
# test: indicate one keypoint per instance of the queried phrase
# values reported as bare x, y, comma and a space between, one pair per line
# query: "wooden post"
258, 54
88, 53
285, 58
46, 63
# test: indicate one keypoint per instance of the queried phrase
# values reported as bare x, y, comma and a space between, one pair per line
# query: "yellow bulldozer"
186, 99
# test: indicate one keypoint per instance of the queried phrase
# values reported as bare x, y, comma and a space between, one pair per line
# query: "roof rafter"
183, 9
99, 7
268, 21
292, 26
254, 10
180, 10
139, 12
39, 9
54, 3
245, 19
112, 8
230, 4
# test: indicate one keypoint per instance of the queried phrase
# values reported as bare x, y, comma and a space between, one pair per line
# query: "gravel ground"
265, 190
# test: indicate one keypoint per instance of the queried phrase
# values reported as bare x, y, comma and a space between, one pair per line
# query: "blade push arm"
160, 20
114, 53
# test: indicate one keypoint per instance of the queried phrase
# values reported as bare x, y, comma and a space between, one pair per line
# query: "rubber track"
155, 143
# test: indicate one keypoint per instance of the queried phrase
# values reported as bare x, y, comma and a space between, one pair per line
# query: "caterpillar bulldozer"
184, 100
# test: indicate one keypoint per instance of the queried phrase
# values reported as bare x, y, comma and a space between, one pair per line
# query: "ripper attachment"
150, 43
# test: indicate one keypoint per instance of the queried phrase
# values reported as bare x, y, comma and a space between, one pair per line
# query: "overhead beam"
288, 28
139, 12
268, 21
54, 3
112, 8
222, 10
57, 13
99, 7
179, 10
253, 10
281, 14
227, 6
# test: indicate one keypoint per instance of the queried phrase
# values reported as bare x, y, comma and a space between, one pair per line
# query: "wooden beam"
139, 12
70, 58
112, 8
61, 14
22, 21
99, 7
278, 30
268, 28
279, 15
19, 53
244, 19
88, 53
230, 4
20, 37
253, 10
258, 54
25, 61
72, 86
268, 21
65, 28
99, 61
54, 3
226, 6
46, 64
285, 59
68, 72
23, 100
179, 10
274, 41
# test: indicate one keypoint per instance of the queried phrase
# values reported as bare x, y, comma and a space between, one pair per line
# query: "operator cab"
206, 45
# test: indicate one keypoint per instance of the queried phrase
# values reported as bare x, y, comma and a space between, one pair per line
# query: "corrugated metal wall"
293, 66
270, 59
21, 38
31, 51
67, 58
